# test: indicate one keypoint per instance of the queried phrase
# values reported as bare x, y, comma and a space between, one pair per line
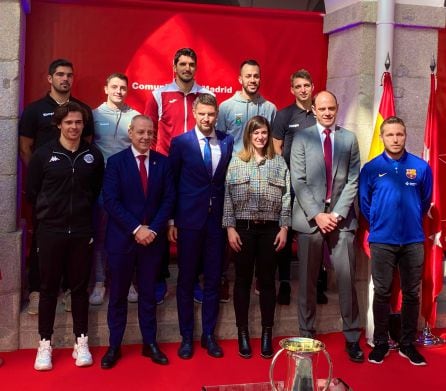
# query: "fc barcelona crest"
411, 173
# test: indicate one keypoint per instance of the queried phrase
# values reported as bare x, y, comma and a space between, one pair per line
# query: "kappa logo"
173, 100
411, 173
54, 159
381, 175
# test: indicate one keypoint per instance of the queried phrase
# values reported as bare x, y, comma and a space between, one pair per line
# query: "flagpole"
427, 338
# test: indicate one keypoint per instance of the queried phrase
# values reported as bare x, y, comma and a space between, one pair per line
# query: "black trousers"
257, 251
61, 254
409, 259
33, 259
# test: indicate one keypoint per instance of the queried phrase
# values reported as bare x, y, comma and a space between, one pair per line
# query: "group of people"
238, 179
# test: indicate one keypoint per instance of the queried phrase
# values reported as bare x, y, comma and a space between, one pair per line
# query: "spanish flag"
386, 109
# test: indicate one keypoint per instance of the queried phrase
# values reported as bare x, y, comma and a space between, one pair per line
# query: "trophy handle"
271, 369
330, 370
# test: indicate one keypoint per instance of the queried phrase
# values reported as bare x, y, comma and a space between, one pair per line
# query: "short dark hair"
60, 62
253, 124
188, 52
301, 74
117, 75
62, 111
249, 62
206, 99
392, 120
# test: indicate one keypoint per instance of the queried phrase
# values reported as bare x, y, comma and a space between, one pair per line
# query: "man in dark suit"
138, 196
324, 172
199, 159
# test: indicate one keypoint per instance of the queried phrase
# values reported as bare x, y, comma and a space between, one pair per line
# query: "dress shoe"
186, 349
111, 357
210, 343
244, 347
354, 351
266, 342
153, 351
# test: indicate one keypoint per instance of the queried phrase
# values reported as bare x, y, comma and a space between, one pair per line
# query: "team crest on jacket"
411, 173
89, 158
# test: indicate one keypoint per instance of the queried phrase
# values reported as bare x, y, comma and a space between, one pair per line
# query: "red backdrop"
141, 37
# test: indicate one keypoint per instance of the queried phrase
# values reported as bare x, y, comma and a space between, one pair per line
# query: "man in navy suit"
138, 196
199, 159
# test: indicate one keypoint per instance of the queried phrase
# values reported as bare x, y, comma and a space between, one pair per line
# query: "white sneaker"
81, 353
132, 297
43, 357
97, 296
33, 306
66, 300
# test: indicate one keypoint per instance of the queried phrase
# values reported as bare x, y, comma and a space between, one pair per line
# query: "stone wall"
11, 31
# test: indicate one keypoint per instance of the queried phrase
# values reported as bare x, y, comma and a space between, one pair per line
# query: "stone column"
12, 23
350, 25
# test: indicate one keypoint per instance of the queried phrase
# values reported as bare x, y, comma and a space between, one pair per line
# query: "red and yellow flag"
433, 249
386, 109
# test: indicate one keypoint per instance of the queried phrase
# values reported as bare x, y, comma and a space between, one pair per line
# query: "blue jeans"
409, 259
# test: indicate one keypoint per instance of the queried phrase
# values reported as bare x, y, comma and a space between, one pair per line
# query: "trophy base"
264, 386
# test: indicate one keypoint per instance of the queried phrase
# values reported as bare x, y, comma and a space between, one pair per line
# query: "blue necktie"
207, 156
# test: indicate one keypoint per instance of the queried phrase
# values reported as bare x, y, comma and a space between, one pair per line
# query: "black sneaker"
378, 353
411, 353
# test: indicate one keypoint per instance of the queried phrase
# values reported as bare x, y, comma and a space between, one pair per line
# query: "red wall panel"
141, 37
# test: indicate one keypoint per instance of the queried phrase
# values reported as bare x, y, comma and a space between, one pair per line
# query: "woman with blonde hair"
257, 215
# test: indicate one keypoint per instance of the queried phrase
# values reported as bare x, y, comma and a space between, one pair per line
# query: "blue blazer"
194, 187
126, 204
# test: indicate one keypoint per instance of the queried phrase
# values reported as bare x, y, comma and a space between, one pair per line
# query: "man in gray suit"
324, 172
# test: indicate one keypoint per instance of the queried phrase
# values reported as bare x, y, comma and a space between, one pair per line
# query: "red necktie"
328, 157
143, 172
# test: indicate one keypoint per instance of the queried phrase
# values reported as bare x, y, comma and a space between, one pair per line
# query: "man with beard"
236, 111
199, 159
36, 129
395, 188
170, 108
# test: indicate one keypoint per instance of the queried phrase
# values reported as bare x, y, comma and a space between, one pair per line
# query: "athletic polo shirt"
287, 122
36, 119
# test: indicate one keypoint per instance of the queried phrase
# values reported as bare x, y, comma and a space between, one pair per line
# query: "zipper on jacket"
72, 162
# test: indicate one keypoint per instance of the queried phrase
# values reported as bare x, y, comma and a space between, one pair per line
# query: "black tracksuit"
63, 186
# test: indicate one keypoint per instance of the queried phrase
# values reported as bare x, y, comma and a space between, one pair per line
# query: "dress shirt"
215, 147
321, 129
146, 162
322, 135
